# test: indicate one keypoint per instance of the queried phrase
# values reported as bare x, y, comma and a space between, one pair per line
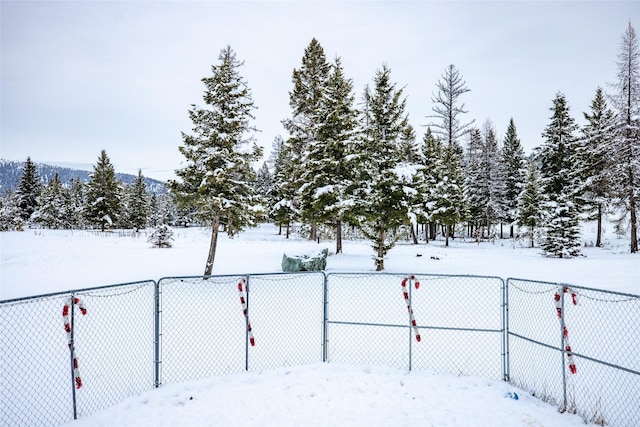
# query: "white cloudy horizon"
79, 77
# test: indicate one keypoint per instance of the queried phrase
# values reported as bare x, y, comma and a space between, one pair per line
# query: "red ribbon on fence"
67, 327
405, 293
565, 332
241, 289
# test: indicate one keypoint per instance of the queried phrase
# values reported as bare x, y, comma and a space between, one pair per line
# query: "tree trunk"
446, 236
634, 224
212, 246
280, 229
599, 235
338, 236
380, 259
511, 232
314, 232
432, 231
288, 227
413, 235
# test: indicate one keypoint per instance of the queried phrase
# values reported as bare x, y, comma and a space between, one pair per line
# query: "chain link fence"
112, 351
576, 348
137, 336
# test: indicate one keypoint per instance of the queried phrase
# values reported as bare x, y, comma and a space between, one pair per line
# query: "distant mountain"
11, 172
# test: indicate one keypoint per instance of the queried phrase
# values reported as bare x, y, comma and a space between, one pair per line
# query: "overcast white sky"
80, 76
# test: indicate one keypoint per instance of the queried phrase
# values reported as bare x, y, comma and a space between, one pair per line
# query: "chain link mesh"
602, 330
113, 342
468, 325
35, 381
462, 324
114, 345
202, 328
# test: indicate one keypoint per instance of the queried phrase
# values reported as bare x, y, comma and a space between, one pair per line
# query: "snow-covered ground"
44, 261
334, 395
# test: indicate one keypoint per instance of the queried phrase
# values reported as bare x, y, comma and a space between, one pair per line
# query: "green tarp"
305, 262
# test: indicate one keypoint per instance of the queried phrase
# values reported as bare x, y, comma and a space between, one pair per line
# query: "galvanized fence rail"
138, 336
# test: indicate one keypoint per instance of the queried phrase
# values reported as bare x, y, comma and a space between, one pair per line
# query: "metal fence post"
156, 333
562, 351
505, 330
72, 352
246, 328
410, 310
324, 317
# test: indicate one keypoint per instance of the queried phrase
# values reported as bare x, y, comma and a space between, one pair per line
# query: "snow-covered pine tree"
161, 236
264, 182
515, 172
598, 136
329, 178
283, 211
427, 176
407, 147
137, 203
74, 204
447, 111
10, 213
558, 172
531, 203
103, 203
307, 101
449, 204
217, 174
492, 180
51, 210
162, 210
380, 198
625, 169
474, 190
28, 190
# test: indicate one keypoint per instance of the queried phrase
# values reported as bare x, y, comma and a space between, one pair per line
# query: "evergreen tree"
305, 145
161, 237
531, 203
515, 171
474, 184
429, 174
595, 155
449, 205
51, 211
137, 210
283, 210
10, 213
625, 169
381, 200
162, 210
75, 200
559, 182
447, 111
217, 173
407, 147
264, 182
103, 197
28, 190
492, 180
328, 176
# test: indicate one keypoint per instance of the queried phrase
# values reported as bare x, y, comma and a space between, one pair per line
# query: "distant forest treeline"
11, 172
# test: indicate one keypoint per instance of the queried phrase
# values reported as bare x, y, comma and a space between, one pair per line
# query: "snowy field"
44, 261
